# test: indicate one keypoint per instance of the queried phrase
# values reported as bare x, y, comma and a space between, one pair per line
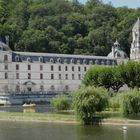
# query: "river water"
51, 131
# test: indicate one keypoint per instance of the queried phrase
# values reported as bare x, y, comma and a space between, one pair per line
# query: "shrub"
130, 103
61, 102
88, 100
114, 103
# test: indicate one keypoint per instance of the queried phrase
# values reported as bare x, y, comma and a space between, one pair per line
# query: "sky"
118, 3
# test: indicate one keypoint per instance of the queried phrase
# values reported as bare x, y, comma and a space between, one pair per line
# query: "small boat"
29, 105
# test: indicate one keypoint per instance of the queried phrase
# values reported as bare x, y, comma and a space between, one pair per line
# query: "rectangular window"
41, 67
72, 68
29, 75
59, 68
66, 68
79, 76
5, 57
6, 76
79, 68
66, 76
72, 76
6, 67
51, 67
17, 75
41, 76
17, 67
29, 67
52, 76
60, 77
85, 68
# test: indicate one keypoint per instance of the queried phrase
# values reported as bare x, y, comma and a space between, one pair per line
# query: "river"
51, 131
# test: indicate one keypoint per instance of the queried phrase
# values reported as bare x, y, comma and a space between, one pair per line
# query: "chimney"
7, 40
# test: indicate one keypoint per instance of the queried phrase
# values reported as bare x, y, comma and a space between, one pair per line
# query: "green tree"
61, 103
88, 101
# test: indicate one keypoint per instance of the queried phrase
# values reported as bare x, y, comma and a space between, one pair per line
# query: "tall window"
60, 76
72, 76
72, 68
6, 75
66, 87
66, 68
52, 76
41, 67
6, 67
41, 88
29, 67
85, 68
17, 75
79, 76
52, 87
29, 75
79, 68
41, 76
51, 67
66, 76
5, 57
17, 67
59, 68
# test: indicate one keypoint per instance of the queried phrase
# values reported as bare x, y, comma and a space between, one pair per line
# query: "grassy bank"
19, 116
112, 118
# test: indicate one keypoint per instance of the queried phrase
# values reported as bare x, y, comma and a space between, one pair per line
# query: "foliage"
114, 77
130, 103
70, 27
130, 72
61, 102
108, 77
114, 103
89, 100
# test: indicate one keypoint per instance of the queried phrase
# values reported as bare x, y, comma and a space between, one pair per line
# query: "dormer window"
41, 59
59, 60
78, 61
90, 62
52, 60
65, 61
72, 60
108, 62
17, 58
29, 59
84, 61
96, 62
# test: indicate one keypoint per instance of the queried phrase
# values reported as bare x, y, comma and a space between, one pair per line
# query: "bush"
88, 100
61, 103
130, 103
114, 103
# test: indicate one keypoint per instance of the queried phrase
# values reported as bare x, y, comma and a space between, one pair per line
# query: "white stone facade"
135, 46
26, 72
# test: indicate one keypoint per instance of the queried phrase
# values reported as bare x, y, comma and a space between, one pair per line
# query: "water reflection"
48, 131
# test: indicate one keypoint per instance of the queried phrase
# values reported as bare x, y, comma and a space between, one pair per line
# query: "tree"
88, 101
117, 80
130, 73
61, 103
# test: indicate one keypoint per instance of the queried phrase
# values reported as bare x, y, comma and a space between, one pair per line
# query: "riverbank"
59, 118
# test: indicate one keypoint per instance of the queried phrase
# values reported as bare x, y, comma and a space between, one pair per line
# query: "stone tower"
135, 46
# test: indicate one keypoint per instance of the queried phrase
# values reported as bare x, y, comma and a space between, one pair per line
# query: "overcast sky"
117, 3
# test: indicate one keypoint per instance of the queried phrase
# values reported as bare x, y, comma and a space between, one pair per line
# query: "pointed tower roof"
136, 25
116, 43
